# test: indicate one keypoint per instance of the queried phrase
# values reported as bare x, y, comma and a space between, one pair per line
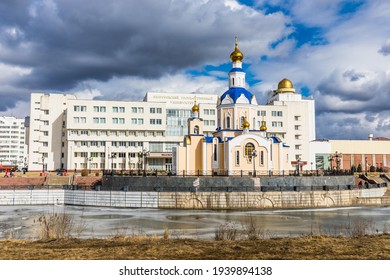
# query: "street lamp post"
139, 162
130, 163
338, 157
298, 165
366, 164
254, 155
90, 162
43, 165
113, 156
145, 153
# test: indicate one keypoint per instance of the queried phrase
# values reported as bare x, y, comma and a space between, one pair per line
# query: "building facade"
13, 148
241, 144
368, 155
70, 133
66, 132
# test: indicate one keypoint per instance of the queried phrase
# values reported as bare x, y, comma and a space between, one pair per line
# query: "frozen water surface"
96, 222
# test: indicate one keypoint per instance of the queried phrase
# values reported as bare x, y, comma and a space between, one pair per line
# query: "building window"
152, 110
155, 121
215, 151
277, 113
262, 158
196, 129
121, 120
237, 157
277, 124
122, 109
102, 120
115, 109
212, 111
206, 111
114, 120
134, 110
227, 122
249, 148
140, 121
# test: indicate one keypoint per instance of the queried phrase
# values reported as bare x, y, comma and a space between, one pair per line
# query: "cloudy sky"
336, 51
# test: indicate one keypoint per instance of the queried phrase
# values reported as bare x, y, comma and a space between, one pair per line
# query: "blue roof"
275, 139
235, 93
209, 139
236, 70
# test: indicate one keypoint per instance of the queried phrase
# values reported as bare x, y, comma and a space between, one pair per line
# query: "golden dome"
195, 108
285, 85
263, 127
245, 124
236, 55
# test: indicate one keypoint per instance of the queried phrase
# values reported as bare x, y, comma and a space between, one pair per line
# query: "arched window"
215, 152
237, 157
262, 158
242, 121
233, 81
196, 129
249, 148
227, 122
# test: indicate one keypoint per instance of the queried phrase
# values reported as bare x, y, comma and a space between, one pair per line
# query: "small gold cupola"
263, 127
245, 124
285, 85
195, 108
236, 55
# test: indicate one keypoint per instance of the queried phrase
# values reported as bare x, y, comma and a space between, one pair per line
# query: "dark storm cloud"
65, 42
385, 49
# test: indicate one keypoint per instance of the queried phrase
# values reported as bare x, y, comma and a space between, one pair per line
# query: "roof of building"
381, 139
237, 92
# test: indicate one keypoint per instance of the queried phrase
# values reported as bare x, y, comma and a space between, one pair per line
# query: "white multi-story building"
13, 148
71, 133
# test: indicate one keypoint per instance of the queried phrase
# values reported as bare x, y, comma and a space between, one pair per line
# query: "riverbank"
371, 247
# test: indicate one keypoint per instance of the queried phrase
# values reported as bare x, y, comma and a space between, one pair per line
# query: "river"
21, 222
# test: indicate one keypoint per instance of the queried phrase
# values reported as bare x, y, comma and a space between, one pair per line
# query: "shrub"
372, 168
227, 231
84, 172
55, 225
359, 168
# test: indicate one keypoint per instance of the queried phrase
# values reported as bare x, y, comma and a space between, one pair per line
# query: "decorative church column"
229, 159
188, 164
204, 158
281, 159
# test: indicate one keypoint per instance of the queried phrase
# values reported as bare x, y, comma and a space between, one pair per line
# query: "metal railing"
226, 173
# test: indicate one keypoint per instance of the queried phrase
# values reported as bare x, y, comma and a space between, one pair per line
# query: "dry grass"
373, 247
231, 242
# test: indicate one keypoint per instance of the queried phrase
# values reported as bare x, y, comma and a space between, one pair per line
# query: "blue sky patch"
350, 7
308, 35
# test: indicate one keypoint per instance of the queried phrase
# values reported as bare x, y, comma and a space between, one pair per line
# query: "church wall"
195, 153
181, 160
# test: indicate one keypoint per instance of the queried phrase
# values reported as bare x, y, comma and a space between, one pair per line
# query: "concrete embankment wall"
32, 197
197, 200
229, 184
